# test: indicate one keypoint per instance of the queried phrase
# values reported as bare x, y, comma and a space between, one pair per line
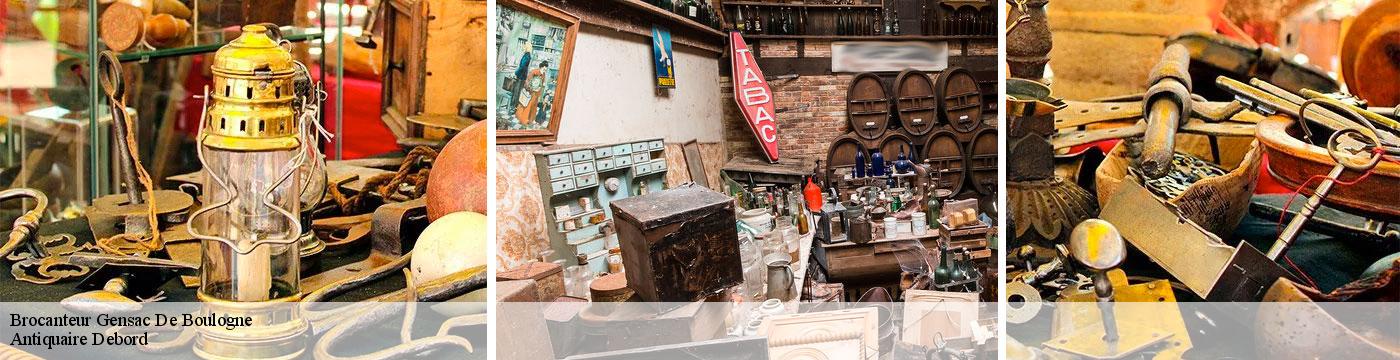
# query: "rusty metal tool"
114, 86
1166, 105
1345, 154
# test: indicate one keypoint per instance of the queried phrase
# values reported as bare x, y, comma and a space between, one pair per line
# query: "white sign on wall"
868, 56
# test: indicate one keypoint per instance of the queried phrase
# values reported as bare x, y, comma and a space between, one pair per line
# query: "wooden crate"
678, 245
876, 263
548, 277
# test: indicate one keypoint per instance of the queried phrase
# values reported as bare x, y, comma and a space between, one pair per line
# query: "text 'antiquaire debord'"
68, 330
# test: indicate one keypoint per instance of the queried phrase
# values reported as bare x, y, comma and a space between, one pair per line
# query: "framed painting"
534, 49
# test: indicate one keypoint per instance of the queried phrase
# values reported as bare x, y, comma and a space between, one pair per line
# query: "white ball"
450, 244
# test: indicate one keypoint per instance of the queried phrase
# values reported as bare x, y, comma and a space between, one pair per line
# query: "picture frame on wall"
535, 45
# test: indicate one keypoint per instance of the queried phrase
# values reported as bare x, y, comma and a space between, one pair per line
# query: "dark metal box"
678, 245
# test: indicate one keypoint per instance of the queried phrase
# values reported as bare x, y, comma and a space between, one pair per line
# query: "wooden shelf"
579, 215
870, 37
808, 6
670, 16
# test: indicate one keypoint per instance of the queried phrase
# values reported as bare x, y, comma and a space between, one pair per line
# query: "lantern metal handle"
295, 164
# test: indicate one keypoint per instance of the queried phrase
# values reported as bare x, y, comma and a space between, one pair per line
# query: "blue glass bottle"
877, 164
860, 164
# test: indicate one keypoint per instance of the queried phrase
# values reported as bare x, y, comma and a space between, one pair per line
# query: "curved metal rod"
436, 290
27, 225
1328, 103
374, 318
294, 164
343, 285
452, 285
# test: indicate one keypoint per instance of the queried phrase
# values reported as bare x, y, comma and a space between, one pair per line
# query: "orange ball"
457, 181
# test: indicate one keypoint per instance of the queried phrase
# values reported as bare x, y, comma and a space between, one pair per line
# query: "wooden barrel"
895, 142
960, 99
868, 106
982, 161
915, 102
842, 153
945, 154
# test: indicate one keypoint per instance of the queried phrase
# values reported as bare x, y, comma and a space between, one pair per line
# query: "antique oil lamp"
251, 147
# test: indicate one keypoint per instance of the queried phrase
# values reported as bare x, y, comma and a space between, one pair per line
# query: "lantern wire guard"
253, 142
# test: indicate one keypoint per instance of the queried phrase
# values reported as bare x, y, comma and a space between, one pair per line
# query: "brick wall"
811, 112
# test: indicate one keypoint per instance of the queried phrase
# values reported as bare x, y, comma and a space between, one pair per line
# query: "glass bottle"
739, 19
841, 22
888, 22
691, 10
758, 22
935, 208
943, 274
802, 21
582, 278
860, 165
615, 260
802, 222
895, 26
875, 15
877, 164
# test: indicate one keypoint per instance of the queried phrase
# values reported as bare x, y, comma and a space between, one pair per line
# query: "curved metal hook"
26, 225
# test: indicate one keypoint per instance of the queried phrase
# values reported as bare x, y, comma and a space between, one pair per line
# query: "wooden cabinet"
571, 173
434, 59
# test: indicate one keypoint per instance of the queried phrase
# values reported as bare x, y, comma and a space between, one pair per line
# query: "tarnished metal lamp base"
277, 332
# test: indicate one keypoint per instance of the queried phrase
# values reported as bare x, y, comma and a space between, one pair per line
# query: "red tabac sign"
753, 95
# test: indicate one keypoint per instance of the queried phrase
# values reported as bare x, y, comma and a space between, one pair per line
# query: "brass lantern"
251, 146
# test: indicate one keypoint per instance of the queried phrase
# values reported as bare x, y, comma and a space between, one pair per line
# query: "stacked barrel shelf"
934, 118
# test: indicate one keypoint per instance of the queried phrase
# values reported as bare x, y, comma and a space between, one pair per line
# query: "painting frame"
570, 23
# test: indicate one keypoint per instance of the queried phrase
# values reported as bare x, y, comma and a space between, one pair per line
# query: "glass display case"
56, 130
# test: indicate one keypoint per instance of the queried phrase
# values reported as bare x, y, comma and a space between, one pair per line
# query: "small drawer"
658, 165
656, 145
623, 149
605, 164
641, 158
559, 172
642, 169
583, 168
558, 159
622, 161
639, 147
562, 185
602, 152
584, 155
587, 180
